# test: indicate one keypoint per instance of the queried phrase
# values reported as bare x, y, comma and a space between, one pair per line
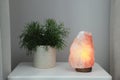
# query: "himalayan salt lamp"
82, 52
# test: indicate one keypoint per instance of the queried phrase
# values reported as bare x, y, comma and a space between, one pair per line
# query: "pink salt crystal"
82, 51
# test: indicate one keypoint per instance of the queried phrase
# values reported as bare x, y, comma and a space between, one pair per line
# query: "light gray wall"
88, 15
0, 46
1, 78
5, 51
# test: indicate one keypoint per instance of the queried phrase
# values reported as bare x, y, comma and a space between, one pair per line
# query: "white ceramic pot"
44, 58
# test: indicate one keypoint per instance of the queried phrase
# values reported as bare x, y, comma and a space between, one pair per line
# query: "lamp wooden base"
83, 69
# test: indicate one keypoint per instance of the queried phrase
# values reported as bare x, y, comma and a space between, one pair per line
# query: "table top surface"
62, 69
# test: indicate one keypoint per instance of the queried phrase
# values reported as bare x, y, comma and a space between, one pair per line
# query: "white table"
62, 71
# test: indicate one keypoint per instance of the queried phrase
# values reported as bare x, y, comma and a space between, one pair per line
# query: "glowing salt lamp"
82, 52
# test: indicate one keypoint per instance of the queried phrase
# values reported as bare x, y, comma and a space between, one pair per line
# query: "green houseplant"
39, 38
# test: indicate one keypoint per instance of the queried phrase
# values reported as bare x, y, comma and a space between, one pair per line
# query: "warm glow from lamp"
82, 52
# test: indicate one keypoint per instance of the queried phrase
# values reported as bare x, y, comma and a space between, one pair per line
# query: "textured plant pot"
44, 58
